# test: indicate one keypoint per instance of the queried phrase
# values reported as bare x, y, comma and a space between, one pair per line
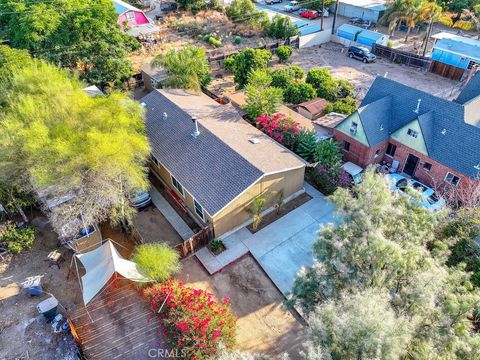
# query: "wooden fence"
200, 239
402, 57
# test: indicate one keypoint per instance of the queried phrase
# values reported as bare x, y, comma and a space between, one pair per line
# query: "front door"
410, 165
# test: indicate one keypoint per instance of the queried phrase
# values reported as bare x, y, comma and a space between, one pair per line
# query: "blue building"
361, 36
453, 55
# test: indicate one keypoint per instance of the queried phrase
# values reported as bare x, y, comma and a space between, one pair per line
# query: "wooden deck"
123, 326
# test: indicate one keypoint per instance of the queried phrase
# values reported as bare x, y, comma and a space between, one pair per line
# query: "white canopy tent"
100, 265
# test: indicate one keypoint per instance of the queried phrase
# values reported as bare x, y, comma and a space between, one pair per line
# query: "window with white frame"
346, 146
452, 179
130, 15
198, 209
391, 150
178, 186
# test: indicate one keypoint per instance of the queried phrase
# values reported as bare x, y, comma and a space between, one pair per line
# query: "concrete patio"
281, 248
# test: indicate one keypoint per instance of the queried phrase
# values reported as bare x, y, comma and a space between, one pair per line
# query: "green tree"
306, 146
345, 106
284, 76
82, 35
244, 11
358, 326
381, 244
281, 27
54, 135
261, 97
187, 68
247, 61
323, 82
284, 52
297, 93
344, 89
328, 153
157, 261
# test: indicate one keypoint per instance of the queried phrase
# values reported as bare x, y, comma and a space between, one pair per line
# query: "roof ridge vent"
165, 116
444, 131
477, 167
417, 110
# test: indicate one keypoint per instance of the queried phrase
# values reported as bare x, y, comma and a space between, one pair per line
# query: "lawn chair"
394, 167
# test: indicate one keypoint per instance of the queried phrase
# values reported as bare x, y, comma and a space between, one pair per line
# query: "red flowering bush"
192, 320
279, 127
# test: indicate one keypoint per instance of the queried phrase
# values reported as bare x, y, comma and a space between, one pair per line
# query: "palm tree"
431, 12
393, 14
187, 68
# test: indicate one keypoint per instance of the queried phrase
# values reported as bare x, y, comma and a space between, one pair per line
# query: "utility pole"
323, 14
335, 17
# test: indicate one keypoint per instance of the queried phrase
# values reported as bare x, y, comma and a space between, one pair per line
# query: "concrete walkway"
170, 214
281, 248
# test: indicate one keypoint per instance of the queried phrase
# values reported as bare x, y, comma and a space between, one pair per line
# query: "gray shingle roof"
449, 139
207, 167
471, 90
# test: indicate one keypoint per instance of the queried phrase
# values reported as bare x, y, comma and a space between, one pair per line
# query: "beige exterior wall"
236, 212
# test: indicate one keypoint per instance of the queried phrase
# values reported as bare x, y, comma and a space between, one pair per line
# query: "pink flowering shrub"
192, 320
279, 127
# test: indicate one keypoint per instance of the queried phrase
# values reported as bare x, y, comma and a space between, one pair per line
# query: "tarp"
100, 264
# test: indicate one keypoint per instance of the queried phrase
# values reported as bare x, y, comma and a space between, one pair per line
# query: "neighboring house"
371, 10
324, 126
238, 99
312, 109
133, 20
453, 55
434, 140
361, 36
218, 171
153, 76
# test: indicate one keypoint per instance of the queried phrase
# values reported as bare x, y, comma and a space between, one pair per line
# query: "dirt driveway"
264, 325
361, 75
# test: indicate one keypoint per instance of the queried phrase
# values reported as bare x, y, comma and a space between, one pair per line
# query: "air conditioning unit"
353, 130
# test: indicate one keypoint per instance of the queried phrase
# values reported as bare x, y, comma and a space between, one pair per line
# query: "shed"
349, 32
153, 76
369, 37
371, 10
312, 109
324, 126
457, 51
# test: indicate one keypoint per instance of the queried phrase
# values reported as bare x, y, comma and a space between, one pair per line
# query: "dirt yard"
24, 333
154, 228
360, 75
264, 325
180, 29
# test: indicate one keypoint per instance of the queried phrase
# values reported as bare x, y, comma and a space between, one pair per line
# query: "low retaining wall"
320, 37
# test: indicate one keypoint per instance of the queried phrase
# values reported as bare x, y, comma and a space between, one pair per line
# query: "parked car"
168, 6
310, 14
418, 192
293, 6
301, 10
356, 21
354, 172
361, 53
140, 199
367, 24
271, 2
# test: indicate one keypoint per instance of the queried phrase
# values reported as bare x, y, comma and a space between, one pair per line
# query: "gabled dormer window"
412, 133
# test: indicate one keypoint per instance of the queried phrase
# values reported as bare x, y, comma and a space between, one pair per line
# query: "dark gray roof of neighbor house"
471, 90
449, 139
207, 167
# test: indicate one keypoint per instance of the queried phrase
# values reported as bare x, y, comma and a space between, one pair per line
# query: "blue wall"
450, 59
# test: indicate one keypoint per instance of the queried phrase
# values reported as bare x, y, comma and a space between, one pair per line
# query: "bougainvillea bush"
192, 320
279, 127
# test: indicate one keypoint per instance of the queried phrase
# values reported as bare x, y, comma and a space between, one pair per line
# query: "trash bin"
33, 285
48, 308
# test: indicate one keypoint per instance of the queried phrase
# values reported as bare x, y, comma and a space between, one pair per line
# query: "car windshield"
402, 184
419, 187
432, 199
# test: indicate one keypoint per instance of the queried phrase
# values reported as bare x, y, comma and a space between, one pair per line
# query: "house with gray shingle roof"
436, 141
216, 162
